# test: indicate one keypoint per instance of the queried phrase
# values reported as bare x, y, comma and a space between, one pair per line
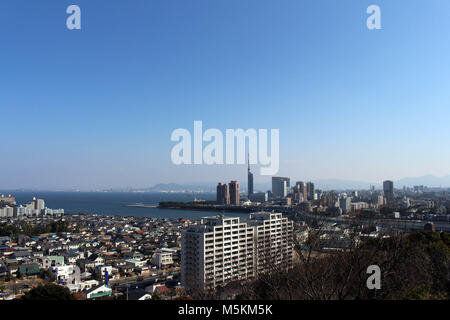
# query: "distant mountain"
211, 187
427, 180
323, 184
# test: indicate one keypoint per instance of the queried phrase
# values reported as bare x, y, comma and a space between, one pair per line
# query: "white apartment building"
52, 261
274, 241
52, 212
68, 274
222, 250
162, 258
6, 212
27, 210
359, 206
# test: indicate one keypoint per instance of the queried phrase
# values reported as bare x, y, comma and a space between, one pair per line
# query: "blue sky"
95, 108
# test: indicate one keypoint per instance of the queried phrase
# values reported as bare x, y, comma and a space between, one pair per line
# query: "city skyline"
94, 108
323, 184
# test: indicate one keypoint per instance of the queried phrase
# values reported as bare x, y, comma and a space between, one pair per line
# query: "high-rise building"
223, 194
280, 187
299, 191
7, 200
388, 189
39, 204
234, 193
208, 256
7, 211
345, 204
221, 250
250, 180
300, 187
311, 190
274, 238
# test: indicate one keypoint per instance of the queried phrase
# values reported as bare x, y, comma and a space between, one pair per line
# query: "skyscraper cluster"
228, 193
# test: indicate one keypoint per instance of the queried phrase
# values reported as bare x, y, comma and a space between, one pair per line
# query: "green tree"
157, 296
49, 292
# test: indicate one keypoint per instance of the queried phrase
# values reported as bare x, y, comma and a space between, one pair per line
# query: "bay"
115, 203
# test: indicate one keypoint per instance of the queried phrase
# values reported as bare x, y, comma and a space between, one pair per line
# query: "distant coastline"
208, 206
127, 204
140, 205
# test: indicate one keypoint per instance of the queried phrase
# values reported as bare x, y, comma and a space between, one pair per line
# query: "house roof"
29, 269
136, 294
162, 289
96, 287
93, 257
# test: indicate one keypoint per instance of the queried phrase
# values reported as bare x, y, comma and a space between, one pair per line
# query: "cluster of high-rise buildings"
9, 208
228, 194
221, 250
308, 198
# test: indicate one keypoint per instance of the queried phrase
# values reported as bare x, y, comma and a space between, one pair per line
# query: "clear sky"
95, 108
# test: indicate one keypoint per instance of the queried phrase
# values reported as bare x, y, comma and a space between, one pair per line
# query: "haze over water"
115, 203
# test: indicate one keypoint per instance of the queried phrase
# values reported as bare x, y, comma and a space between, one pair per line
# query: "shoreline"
202, 207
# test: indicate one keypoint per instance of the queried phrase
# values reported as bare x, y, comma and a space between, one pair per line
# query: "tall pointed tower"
250, 178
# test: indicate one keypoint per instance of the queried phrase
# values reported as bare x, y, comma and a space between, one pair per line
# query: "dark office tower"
311, 190
280, 187
234, 193
250, 180
388, 189
223, 194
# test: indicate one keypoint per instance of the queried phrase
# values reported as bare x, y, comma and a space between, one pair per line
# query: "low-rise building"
97, 292
162, 258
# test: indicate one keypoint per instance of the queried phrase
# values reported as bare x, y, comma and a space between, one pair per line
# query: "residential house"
99, 291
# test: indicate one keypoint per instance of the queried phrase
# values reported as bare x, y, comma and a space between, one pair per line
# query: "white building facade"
221, 250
